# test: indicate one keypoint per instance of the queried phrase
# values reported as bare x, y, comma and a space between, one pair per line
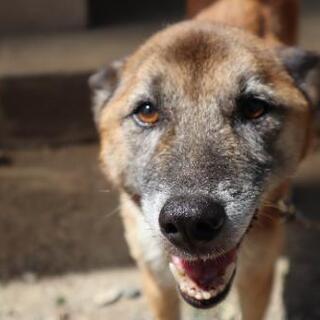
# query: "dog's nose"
189, 222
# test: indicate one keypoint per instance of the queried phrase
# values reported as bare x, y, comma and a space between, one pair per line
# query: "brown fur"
273, 20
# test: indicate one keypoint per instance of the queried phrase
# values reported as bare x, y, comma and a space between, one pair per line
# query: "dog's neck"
276, 21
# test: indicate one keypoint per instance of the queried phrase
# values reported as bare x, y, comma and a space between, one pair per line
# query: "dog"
201, 130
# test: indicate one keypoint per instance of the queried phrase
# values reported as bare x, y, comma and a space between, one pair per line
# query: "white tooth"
198, 295
206, 295
184, 287
192, 292
174, 272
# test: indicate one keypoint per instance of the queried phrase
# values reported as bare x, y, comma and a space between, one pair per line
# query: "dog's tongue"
207, 274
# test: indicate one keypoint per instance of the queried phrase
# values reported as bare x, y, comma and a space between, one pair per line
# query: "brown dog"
201, 129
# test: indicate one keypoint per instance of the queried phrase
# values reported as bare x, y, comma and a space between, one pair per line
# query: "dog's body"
201, 130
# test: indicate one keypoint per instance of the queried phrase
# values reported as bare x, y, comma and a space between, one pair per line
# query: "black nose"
190, 222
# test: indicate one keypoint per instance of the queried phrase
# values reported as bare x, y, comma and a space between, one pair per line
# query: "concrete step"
44, 96
70, 52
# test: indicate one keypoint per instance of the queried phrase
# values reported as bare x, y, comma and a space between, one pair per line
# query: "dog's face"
201, 123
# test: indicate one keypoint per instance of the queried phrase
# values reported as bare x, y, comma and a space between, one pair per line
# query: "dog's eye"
146, 114
253, 108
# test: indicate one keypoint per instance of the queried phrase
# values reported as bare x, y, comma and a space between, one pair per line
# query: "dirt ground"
101, 295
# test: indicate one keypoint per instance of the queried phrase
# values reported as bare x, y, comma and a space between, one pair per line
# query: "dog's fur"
195, 71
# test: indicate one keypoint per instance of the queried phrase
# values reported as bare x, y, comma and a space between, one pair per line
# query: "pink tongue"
207, 274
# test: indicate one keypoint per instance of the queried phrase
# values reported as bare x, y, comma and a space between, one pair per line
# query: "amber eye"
253, 108
146, 114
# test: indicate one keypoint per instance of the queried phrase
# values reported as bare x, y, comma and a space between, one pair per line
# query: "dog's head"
202, 122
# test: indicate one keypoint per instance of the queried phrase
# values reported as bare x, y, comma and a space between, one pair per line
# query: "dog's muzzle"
191, 224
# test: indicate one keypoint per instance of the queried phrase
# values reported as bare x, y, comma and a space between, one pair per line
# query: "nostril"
216, 224
170, 228
206, 230
203, 231
204, 227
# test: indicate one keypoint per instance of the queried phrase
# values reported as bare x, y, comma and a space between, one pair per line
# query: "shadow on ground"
302, 284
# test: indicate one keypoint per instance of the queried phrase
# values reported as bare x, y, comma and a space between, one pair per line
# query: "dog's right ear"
304, 67
103, 85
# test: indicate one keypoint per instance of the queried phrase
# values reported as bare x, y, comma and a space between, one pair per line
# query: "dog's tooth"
180, 271
206, 295
184, 287
198, 295
177, 273
194, 292
174, 272
191, 292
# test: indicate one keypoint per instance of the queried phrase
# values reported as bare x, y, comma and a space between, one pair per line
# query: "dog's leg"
256, 268
163, 300
158, 285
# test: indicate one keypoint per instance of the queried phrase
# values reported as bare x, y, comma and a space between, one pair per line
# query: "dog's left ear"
304, 67
103, 85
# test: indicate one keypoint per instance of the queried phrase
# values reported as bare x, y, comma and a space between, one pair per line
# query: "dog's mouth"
204, 283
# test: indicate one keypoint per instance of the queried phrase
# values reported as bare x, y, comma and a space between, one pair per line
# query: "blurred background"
62, 252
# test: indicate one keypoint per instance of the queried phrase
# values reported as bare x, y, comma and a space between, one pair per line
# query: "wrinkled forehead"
197, 61
202, 63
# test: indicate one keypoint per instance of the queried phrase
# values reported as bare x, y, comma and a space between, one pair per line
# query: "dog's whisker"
269, 217
112, 213
105, 191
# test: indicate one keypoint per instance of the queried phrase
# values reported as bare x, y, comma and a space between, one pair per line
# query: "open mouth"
204, 283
